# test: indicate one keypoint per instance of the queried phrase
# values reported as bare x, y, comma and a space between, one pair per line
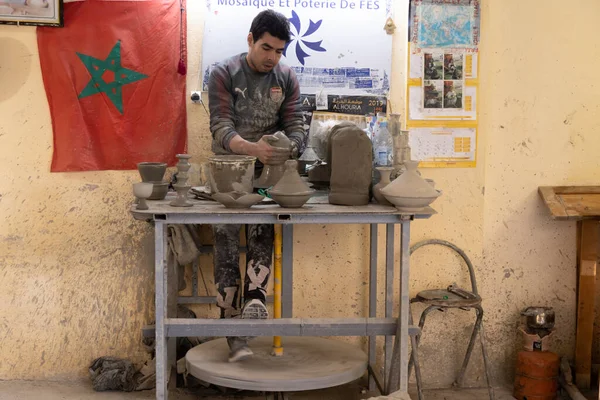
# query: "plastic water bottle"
382, 146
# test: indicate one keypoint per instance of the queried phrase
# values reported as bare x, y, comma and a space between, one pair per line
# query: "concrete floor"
36, 390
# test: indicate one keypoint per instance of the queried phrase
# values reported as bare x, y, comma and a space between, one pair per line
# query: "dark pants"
259, 241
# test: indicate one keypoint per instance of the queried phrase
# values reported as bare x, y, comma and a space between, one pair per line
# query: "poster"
441, 85
445, 24
349, 105
443, 59
338, 47
443, 81
442, 144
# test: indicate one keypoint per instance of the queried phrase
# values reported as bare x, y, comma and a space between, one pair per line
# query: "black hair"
271, 22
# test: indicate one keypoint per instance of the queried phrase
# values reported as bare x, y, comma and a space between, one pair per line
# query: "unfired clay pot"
291, 191
238, 199
385, 173
152, 171
159, 190
409, 192
271, 174
228, 171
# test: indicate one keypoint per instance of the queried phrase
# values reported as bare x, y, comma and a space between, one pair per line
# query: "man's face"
264, 54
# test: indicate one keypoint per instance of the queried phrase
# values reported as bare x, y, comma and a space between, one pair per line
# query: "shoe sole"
254, 310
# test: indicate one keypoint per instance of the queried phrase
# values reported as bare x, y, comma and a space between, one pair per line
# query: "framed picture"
32, 12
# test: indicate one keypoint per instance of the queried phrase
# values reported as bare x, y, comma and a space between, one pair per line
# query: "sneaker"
254, 309
238, 349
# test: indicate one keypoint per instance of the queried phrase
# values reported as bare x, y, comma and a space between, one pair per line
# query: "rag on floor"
393, 396
111, 373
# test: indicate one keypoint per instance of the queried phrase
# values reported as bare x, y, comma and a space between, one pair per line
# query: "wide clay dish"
295, 200
238, 199
410, 192
291, 191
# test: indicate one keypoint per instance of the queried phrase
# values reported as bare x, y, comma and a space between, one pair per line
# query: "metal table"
315, 212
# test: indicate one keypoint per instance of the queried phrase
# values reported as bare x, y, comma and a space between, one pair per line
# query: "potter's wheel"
308, 363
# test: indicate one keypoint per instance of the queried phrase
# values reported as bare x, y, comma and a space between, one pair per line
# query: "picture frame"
32, 12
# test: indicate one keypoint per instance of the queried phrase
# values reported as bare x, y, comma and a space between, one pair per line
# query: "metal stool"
452, 297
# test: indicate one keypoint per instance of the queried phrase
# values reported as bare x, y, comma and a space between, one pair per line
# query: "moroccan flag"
111, 78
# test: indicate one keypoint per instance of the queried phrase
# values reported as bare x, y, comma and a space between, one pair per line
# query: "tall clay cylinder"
350, 156
537, 375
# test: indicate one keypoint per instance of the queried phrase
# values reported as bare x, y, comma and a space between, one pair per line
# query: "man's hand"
262, 150
268, 154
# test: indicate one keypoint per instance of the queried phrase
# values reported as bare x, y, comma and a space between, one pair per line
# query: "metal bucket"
231, 173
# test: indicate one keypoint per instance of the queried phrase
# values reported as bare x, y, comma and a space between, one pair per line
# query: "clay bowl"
410, 204
142, 190
295, 200
159, 190
238, 199
152, 171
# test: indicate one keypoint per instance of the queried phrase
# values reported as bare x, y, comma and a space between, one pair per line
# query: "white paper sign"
338, 46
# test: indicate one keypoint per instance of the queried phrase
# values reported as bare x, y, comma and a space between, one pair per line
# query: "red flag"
111, 78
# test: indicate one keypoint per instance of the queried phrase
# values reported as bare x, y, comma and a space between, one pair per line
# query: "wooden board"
582, 204
588, 256
572, 202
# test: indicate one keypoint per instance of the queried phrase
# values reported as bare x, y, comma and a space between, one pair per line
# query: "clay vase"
401, 147
291, 191
271, 174
350, 156
385, 173
410, 192
182, 188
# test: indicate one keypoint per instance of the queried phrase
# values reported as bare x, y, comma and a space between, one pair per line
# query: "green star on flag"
102, 70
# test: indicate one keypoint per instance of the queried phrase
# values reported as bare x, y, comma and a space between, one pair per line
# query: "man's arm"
222, 121
290, 113
220, 102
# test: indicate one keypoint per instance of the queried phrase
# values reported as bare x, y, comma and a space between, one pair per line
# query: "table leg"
404, 303
372, 300
287, 298
588, 258
160, 288
389, 299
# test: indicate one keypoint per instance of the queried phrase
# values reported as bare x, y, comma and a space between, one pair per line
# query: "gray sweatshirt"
253, 104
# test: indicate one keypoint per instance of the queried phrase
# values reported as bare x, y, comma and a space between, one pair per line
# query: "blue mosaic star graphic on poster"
302, 39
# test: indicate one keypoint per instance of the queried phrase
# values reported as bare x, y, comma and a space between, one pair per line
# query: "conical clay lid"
291, 182
410, 184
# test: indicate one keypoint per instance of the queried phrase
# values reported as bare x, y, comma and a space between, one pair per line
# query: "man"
251, 95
